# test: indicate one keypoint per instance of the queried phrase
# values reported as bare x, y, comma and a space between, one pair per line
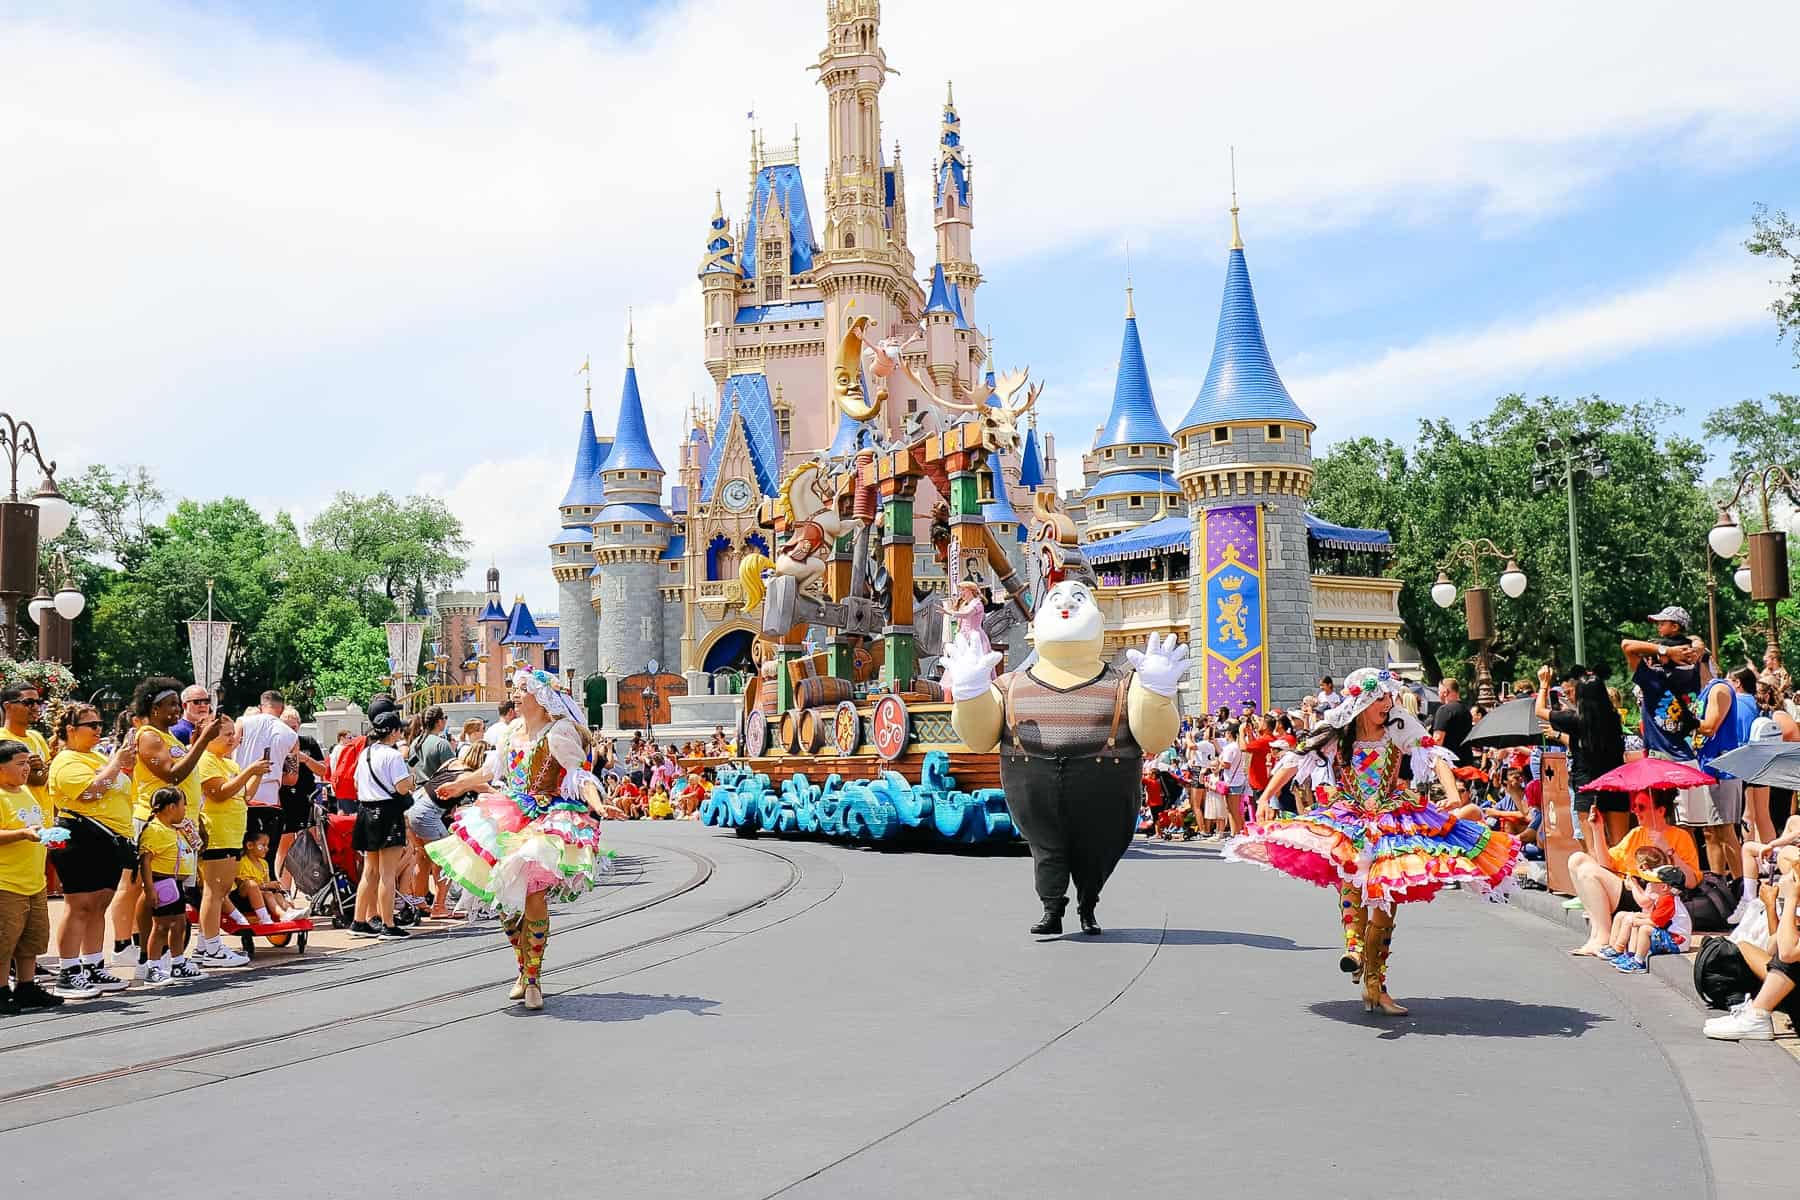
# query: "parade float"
854, 739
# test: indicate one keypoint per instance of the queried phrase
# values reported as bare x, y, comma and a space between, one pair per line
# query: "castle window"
618, 529
1108, 452
1136, 450
1221, 433
646, 529
1137, 502
643, 474
771, 288
784, 424
1274, 433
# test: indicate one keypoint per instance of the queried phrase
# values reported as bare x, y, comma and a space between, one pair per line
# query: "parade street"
751, 1018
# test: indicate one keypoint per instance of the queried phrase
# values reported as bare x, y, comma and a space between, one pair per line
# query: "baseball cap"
1671, 875
1673, 613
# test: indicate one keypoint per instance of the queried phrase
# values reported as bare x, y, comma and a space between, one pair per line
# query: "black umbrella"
1514, 723
1770, 763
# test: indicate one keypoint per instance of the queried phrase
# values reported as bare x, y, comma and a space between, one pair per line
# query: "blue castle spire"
1031, 461
1241, 383
1133, 419
585, 490
631, 448
945, 297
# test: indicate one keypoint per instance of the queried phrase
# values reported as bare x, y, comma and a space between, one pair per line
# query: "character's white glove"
1160, 665
968, 670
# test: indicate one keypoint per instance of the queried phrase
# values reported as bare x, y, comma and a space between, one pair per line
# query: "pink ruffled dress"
535, 833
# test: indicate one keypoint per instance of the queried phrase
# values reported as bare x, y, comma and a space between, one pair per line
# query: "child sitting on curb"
1663, 927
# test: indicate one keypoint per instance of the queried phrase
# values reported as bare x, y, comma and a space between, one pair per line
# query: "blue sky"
287, 249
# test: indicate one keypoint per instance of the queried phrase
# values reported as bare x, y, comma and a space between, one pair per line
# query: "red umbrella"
1647, 774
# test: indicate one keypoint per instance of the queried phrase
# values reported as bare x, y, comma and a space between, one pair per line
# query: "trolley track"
705, 867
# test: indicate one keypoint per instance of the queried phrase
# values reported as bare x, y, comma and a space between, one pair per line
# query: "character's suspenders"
1007, 712
1112, 735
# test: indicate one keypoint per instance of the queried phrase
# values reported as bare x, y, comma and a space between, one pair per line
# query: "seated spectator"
254, 893
1663, 927
1754, 853
1754, 1020
1600, 879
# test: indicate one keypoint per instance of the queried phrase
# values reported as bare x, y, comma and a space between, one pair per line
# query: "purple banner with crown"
1231, 582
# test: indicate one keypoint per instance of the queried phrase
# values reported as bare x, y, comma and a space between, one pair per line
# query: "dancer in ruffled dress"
536, 837
1374, 838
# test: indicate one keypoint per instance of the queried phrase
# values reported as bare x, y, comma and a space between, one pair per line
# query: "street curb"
1676, 972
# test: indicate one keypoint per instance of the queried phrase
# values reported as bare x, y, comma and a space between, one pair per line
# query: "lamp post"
1766, 562
649, 698
55, 613
1478, 603
23, 523
1569, 461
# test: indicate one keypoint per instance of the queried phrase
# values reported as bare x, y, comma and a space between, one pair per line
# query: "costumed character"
968, 613
536, 836
1372, 837
1073, 731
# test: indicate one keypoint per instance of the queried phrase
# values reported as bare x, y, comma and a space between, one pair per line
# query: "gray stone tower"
571, 552
1245, 465
630, 533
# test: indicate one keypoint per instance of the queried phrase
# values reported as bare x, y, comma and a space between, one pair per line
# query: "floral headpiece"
548, 691
1364, 686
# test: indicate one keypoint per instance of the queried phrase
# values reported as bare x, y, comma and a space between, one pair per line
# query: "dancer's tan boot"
1377, 940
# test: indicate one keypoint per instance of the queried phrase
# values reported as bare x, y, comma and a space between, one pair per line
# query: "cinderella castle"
1201, 530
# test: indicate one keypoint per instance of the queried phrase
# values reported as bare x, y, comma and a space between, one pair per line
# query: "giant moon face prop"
1068, 613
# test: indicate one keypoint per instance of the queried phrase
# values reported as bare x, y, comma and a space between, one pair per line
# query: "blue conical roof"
1242, 383
1031, 462
1000, 507
520, 627
1133, 419
631, 448
493, 611
945, 297
584, 485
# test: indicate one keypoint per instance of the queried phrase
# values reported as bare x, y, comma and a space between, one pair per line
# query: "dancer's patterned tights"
528, 938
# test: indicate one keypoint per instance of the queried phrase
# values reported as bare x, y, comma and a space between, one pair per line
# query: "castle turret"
1245, 465
1133, 457
571, 549
631, 533
953, 213
864, 261
720, 274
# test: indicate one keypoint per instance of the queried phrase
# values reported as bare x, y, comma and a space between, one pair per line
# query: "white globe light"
54, 512
1443, 593
1726, 538
38, 607
69, 603
1513, 583
1741, 577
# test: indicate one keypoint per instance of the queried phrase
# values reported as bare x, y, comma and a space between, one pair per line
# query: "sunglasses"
88, 725
34, 702
199, 703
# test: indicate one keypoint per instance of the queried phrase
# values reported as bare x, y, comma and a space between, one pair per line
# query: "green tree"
1758, 434
401, 550
1642, 528
1776, 237
354, 666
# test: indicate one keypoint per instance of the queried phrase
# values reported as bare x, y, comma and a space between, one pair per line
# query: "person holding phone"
384, 786
264, 735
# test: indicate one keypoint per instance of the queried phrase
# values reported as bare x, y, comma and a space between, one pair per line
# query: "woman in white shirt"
384, 787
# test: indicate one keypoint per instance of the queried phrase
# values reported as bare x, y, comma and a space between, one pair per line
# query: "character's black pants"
1078, 816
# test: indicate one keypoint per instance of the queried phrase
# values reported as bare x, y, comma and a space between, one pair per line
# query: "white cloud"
1458, 372
268, 269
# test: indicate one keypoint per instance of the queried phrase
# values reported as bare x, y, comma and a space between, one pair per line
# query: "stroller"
326, 866
323, 864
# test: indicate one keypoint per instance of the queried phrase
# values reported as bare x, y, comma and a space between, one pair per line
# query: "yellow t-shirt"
21, 863
41, 748
164, 846
224, 821
145, 782
254, 870
72, 772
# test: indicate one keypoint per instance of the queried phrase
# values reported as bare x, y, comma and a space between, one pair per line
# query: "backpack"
1710, 903
343, 774
1721, 976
